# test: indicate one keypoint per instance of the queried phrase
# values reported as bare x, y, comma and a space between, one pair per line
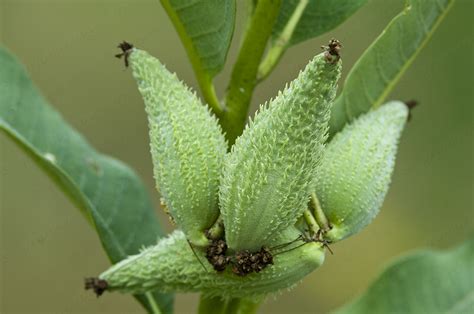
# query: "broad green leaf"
425, 282
319, 17
383, 63
205, 28
108, 193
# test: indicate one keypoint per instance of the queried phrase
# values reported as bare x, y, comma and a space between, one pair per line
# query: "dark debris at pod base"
247, 262
216, 255
96, 284
242, 263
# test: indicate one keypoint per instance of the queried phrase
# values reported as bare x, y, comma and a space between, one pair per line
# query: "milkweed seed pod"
267, 175
172, 266
187, 146
356, 168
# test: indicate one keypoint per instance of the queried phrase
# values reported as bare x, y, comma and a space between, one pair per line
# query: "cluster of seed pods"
261, 188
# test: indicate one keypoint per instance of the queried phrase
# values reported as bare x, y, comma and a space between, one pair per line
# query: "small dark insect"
126, 50
96, 284
410, 104
332, 50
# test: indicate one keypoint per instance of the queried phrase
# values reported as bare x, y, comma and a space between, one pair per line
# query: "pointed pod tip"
96, 284
332, 50
410, 105
126, 48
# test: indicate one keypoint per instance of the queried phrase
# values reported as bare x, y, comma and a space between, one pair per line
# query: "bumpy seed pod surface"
172, 266
356, 168
268, 174
187, 146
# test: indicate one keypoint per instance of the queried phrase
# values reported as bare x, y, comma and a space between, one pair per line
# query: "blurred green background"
47, 248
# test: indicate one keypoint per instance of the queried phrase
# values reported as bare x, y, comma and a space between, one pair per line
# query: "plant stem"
242, 306
321, 218
212, 305
249, 307
244, 73
311, 222
280, 45
233, 306
217, 305
209, 93
250, 10
154, 307
203, 77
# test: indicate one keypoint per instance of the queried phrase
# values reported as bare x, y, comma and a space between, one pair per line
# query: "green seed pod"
171, 266
269, 172
356, 168
187, 146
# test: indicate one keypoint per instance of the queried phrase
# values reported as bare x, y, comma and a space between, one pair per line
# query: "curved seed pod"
268, 174
354, 174
172, 266
187, 146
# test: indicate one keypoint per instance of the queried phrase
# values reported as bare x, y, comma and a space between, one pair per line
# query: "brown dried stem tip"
332, 50
96, 284
126, 50
410, 104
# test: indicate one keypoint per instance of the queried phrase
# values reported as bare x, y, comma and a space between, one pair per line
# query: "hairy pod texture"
268, 174
187, 146
356, 169
172, 266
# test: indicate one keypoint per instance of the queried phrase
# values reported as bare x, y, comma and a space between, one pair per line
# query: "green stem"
250, 10
321, 218
233, 306
242, 306
154, 307
244, 74
280, 45
209, 93
212, 305
218, 305
311, 222
202, 76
